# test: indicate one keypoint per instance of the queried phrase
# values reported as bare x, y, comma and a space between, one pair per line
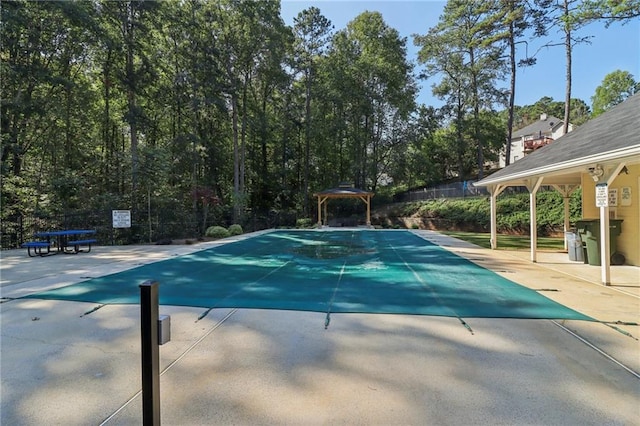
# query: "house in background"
534, 136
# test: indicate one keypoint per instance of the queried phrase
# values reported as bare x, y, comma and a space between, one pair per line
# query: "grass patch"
508, 242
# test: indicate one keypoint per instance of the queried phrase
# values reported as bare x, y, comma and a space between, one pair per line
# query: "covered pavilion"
342, 191
602, 157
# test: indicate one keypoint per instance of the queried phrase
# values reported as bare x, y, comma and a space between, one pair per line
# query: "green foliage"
615, 88
235, 229
528, 114
457, 49
474, 213
513, 211
304, 223
217, 232
471, 211
138, 105
608, 11
16, 194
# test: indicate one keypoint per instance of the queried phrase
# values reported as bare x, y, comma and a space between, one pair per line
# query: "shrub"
217, 232
304, 223
235, 229
474, 212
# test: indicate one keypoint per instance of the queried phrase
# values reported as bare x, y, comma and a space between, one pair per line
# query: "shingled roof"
344, 192
541, 126
612, 136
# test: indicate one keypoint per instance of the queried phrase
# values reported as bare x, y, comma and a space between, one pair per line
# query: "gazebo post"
367, 201
326, 217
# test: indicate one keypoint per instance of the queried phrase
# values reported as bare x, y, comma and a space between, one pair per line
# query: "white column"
494, 191
533, 185
494, 220
605, 246
565, 200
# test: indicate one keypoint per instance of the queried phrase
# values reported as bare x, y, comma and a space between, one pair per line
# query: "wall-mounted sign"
602, 195
121, 218
625, 196
613, 197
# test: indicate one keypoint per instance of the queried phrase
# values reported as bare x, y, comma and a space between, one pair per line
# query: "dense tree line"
194, 104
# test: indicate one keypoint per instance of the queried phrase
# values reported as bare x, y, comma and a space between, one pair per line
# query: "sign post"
602, 201
121, 218
602, 195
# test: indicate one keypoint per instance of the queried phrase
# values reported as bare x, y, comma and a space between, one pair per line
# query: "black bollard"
150, 353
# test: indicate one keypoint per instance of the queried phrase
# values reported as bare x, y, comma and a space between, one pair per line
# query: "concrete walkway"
64, 363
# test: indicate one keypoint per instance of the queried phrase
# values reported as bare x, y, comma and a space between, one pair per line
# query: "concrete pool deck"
61, 364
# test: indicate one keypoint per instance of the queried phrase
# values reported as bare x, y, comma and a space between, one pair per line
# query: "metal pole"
150, 353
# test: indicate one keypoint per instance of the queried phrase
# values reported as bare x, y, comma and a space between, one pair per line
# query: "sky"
610, 49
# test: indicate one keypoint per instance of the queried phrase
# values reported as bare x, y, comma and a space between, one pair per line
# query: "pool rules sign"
121, 218
602, 195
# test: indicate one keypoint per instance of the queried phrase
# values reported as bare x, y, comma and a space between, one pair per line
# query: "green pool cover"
366, 271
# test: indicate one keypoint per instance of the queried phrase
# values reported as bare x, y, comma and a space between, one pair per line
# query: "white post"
533, 229
494, 232
565, 199
533, 190
494, 191
605, 252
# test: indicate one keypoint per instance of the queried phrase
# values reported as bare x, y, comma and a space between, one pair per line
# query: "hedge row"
474, 213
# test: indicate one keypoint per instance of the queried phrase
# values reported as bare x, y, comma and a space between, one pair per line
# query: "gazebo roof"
343, 192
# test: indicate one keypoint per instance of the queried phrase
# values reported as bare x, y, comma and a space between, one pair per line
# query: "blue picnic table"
67, 241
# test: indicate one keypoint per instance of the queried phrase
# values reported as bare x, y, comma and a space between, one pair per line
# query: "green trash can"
589, 231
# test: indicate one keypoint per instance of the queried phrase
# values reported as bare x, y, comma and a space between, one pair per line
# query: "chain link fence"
454, 190
449, 190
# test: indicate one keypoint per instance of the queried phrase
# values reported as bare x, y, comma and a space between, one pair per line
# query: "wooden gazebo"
343, 191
